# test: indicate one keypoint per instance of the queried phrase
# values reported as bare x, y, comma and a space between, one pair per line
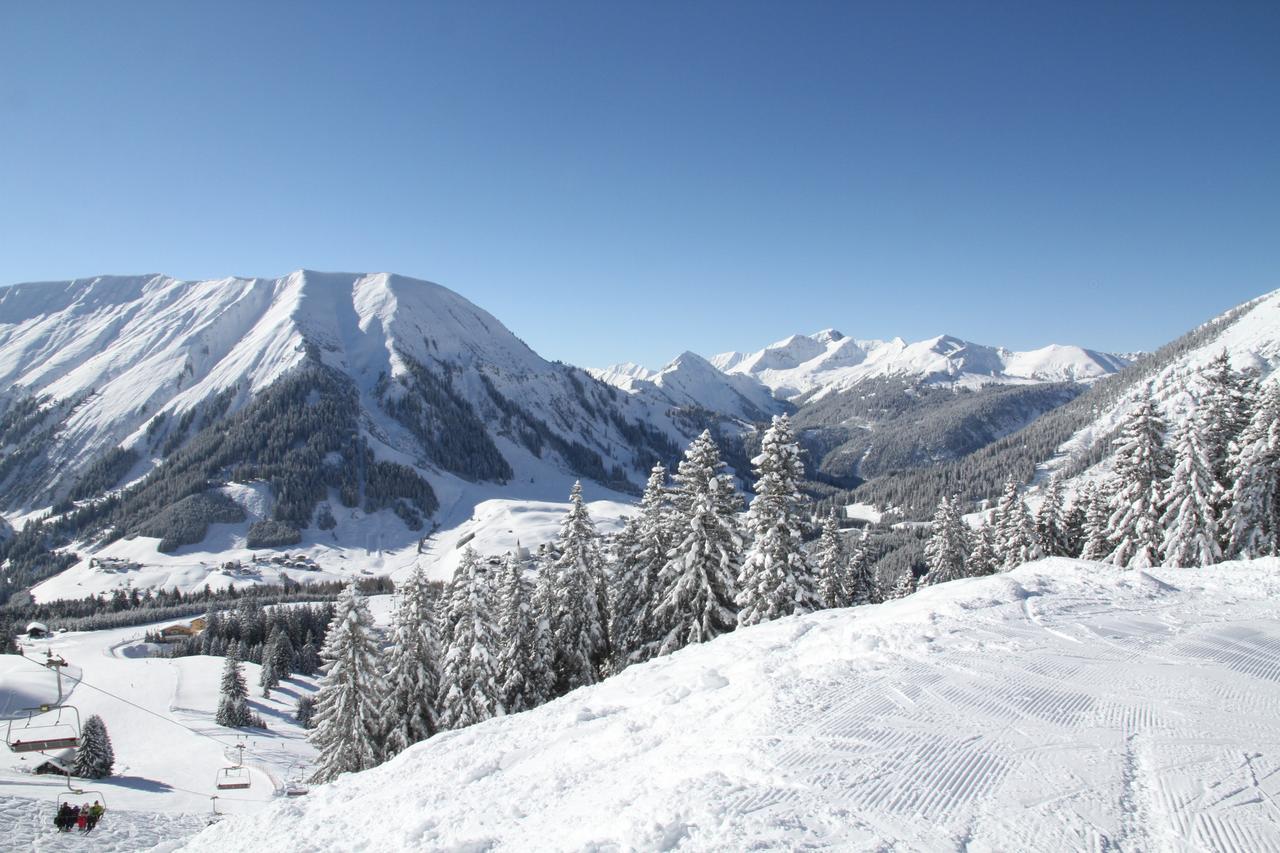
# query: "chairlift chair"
233, 778
47, 736
78, 797
295, 789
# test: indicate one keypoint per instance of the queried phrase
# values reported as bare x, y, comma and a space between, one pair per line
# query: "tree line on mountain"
125, 608
982, 474
1190, 497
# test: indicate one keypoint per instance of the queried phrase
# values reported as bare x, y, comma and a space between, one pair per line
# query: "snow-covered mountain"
690, 381
809, 366
372, 392
1061, 706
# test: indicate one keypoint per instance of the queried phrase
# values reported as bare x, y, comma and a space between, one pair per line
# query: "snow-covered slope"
828, 361
1062, 706
1250, 336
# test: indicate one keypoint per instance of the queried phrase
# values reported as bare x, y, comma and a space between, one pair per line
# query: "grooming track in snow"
1063, 706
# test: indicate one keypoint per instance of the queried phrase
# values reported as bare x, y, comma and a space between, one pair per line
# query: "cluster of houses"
113, 565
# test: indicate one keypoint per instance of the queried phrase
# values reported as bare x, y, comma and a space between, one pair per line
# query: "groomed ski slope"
1063, 706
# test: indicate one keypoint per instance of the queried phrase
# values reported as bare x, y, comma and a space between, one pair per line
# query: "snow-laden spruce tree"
777, 579
1051, 523
1142, 466
94, 756
948, 546
1190, 518
233, 707
698, 580
470, 684
904, 585
579, 638
982, 559
860, 575
348, 721
1096, 534
524, 662
413, 668
1225, 408
633, 589
278, 660
1015, 529
1251, 521
831, 560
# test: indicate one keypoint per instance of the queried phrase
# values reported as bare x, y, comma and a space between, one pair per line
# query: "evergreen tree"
832, 564
1073, 527
578, 640
948, 545
1015, 529
1251, 523
776, 579
412, 668
982, 559
1051, 524
861, 577
1225, 407
1190, 519
470, 683
1141, 469
233, 707
268, 676
642, 550
523, 661
902, 587
94, 757
697, 581
349, 726
1096, 544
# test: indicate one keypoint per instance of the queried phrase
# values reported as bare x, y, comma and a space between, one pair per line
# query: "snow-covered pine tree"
860, 577
697, 581
832, 563
578, 631
413, 675
233, 707
94, 757
982, 558
777, 579
268, 676
1073, 526
1141, 468
1251, 521
902, 587
1096, 535
522, 662
1015, 529
948, 546
283, 659
348, 722
642, 550
1226, 407
1051, 523
470, 684
1190, 518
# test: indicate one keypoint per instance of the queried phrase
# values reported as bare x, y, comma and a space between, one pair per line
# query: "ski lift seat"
50, 741
233, 778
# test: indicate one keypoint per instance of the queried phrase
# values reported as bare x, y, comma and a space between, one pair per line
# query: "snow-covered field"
1063, 706
159, 714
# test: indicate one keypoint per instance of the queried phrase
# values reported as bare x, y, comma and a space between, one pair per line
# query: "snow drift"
1064, 705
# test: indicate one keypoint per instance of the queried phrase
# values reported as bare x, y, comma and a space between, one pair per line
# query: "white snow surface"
1063, 706
828, 361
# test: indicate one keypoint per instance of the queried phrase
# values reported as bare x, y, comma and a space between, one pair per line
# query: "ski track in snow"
1064, 706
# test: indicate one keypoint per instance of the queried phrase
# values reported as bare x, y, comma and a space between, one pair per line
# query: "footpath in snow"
1062, 706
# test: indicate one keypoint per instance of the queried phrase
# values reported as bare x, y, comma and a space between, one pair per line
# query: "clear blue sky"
626, 181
